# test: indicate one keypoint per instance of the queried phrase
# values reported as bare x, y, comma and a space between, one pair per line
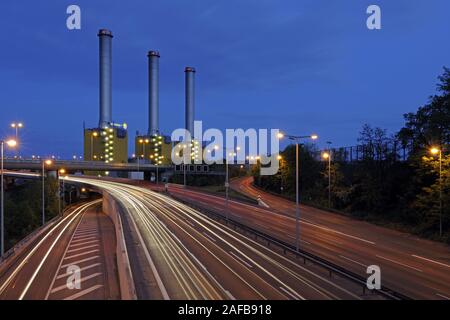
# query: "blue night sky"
302, 66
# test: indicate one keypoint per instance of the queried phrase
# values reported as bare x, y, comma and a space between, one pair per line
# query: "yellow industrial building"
109, 145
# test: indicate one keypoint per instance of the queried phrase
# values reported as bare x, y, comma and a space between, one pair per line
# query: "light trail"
167, 224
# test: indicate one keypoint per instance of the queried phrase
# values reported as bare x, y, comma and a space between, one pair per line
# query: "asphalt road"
415, 267
195, 257
84, 238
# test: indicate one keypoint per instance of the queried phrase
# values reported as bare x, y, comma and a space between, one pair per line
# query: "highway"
83, 238
415, 267
195, 257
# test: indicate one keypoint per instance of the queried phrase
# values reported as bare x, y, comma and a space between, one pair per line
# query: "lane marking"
433, 261
81, 254
82, 248
79, 261
79, 234
84, 292
335, 231
442, 296
399, 263
248, 265
80, 281
354, 261
81, 269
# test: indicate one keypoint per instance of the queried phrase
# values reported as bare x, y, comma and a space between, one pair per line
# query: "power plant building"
109, 141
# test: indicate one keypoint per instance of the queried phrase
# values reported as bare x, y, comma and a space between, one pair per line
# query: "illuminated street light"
297, 200
47, 162
435, 151
10, 143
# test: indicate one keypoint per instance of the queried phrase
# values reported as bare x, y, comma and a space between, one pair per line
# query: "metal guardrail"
286, 247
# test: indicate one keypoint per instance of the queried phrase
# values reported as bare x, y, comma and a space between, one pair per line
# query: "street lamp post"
327, 156
10, 143
46, 162
297, 200
439, 152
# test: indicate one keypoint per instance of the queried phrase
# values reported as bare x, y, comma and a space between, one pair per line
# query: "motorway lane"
198, 258
416, 278
31, 275
418, 267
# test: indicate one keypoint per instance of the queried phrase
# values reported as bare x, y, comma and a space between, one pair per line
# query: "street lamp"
297, 200
48, 163
10, 143
17, 126
327, 156
227, 182
438, 151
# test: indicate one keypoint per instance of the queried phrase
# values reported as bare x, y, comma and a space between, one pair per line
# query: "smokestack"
153, 92
190, 101
105, 42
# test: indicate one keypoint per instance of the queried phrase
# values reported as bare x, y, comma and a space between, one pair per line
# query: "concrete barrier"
126, 282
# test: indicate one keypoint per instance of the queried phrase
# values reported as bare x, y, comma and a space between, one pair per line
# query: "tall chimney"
105, 42
153, 92
190, 99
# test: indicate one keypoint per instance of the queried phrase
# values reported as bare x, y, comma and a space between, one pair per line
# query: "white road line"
36, 271
81, 254
354, 261
81, 269
84, 236
429, 260
84, 292
79, 281
79, 261
399, 263
82, 248
442, 296
209, 237
288, 293
335, 231
248, 265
